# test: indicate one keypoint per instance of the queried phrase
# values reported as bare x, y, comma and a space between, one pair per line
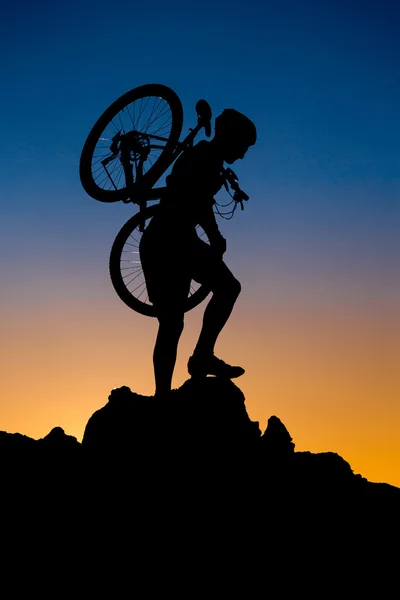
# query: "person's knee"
172, 321
236, 287
228, 288
232, 288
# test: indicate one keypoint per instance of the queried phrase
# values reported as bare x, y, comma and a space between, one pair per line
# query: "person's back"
195, 179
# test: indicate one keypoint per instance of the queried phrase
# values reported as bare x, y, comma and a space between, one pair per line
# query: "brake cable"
237, 198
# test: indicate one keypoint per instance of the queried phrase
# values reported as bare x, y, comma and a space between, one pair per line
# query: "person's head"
234, 133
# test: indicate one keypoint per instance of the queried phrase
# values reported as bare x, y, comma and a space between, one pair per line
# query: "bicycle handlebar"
239, 195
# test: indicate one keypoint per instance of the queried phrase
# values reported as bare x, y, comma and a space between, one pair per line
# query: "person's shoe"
203, 366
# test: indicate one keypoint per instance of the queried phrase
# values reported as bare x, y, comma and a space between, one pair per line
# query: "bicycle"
127, 151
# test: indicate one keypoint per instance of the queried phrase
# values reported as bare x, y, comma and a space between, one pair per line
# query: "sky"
317, 248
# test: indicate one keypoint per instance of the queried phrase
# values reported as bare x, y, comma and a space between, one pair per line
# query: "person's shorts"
171, 260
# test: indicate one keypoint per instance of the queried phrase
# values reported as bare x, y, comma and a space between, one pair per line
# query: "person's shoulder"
204, 151
194, 152
198, 153
202, 146
195, 158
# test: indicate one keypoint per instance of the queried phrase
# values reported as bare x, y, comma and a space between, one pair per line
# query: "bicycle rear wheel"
131, 144
126, 270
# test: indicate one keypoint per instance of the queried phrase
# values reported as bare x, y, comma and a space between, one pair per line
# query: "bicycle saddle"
203, 110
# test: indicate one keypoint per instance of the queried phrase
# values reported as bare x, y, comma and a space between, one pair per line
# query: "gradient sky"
317, 249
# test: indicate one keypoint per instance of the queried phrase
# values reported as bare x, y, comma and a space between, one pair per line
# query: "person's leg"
213, 272
165, 349
167, 287
225, 292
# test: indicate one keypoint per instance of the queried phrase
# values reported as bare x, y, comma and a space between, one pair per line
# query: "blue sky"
320, 80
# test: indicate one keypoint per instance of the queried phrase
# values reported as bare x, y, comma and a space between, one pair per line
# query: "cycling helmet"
235, 125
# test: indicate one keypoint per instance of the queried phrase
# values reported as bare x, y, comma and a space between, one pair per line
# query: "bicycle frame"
134, 147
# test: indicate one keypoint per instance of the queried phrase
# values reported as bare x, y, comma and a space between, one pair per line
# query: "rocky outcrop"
203, 416
201, 428
56, 439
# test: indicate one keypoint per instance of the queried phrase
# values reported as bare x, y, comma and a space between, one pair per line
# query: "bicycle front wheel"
131, 144
126, 270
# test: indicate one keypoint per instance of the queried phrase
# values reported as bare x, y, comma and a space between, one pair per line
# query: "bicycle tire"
136, 299
93, 175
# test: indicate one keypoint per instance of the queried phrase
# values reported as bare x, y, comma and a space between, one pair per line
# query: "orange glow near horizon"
330, 376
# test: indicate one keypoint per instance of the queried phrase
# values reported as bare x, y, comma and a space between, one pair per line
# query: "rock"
15, 441
202, 415
276, 440
57, 439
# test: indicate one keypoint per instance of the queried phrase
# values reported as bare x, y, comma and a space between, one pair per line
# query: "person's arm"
209, 223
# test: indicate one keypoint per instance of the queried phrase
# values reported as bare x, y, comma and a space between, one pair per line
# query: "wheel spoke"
148, 122
139, 286
130, 116
165, 123
120, 121
141, 293
132, 268
142, 108
133, 279
119, 177
159, 116
132, 237
115, 126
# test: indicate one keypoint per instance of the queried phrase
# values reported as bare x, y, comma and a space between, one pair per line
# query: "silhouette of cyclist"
172, 254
